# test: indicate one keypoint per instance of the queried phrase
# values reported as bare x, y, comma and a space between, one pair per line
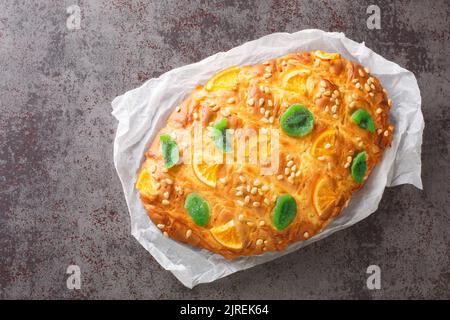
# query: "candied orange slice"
144, 183
224, 80
324, 197
206, 164
227, 235
206, 173
295, 80
324, 144
326, 55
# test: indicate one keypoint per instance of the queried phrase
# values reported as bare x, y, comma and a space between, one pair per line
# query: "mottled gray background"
60, 199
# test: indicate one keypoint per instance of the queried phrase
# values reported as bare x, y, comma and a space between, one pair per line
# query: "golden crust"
331, 88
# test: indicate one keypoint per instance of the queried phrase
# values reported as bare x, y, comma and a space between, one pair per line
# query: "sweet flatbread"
266, 155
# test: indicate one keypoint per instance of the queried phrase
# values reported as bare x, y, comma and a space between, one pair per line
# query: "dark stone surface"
60, 198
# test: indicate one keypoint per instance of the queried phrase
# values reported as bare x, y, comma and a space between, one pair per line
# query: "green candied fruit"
363, 119
359, 167
297, 121
198, 208
219, 135
169, 150
284, 212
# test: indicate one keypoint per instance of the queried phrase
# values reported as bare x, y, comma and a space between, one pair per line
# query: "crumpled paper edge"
402, 161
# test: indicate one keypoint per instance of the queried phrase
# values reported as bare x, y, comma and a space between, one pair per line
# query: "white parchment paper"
142, 112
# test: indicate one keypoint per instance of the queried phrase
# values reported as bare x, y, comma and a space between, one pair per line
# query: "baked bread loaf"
207, 181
